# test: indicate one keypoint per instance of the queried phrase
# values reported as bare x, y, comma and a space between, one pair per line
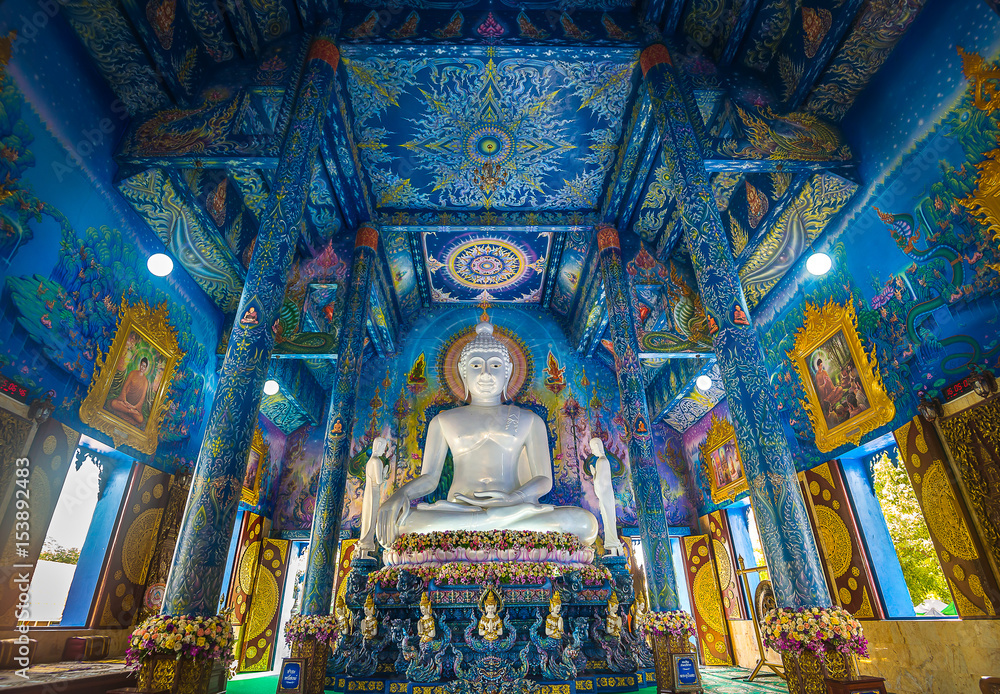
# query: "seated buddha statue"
490, 624
502, 464
345, 625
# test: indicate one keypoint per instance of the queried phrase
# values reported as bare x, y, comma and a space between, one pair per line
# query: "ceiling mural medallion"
494, 131
495, 267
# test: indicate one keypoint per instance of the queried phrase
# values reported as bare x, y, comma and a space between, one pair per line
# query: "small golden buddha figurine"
369, 625
343, 615
554, 622
614, 622
490, 624
426, 629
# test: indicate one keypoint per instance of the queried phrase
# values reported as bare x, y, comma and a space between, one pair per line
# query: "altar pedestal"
676, 665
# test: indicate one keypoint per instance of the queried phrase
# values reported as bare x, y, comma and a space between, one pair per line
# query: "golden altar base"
166, 673
804, 672
317, 654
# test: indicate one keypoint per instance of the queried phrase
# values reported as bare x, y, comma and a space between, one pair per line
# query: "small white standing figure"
375, 476
606, 498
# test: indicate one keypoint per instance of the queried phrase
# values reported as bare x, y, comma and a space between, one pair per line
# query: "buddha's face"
556, 608
485, 376
491, 610
425, 610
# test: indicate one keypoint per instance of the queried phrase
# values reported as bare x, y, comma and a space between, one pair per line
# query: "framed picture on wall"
127, 394
256, 460
720, 461
845, 398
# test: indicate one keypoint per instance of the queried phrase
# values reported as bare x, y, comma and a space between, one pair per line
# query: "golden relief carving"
721, 462
248, 566
824, 472
845, 397
943, 514
971, 438
865, 610
722, 562
137, 549
966, 608
835, 538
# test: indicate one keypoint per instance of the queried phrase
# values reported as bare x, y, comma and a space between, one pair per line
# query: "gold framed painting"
845, 397
256, 460
721, 463
127, 397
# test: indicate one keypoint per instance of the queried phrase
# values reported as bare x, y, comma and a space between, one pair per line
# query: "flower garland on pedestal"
814, 642
304, 628
671, 632
179, 652
497, 572
487, 546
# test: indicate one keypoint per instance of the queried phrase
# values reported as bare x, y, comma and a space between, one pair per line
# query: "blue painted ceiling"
485, 139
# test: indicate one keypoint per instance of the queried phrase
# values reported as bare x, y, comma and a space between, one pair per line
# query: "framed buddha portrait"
256, 460
720, 461
845, 398
127, 394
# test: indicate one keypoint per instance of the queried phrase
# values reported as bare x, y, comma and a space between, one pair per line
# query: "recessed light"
819, 264
159, 264
271, 387
703, 382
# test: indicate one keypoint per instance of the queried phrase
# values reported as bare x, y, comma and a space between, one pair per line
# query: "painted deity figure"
490, 624
613, 624
554, 621
606, 498
129, 402
369, 625
375, 476
343, 616
502, 463
426, 629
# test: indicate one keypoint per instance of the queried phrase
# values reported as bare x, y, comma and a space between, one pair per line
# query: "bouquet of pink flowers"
485, 540
208, 638
820, 630
674, 623
322, 628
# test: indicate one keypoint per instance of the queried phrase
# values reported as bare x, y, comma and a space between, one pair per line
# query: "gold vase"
317, 654
805, 672
165, 673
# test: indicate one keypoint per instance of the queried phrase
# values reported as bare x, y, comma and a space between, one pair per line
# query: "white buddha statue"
501, 458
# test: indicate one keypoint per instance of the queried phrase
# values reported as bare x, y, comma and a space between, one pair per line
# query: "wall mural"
494, 131
493, 267
70, 251
694, 441
926, 288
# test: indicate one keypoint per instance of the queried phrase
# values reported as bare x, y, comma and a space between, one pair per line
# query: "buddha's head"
485, 366
613, 603
341, 606
425, 605
370, 606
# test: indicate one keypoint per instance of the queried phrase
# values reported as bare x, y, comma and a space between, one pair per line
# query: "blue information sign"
290, 674
687, 671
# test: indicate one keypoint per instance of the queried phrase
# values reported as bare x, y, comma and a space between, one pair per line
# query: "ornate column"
200, 558
655, 544
325, 534
792, 560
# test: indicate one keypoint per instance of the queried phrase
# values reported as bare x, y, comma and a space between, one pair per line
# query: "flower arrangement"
487, 546
205, 638
674, 623
509, 573
322, 628
819, 630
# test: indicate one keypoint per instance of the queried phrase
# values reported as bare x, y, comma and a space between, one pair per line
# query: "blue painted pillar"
325, 533
653, 524
199, 561
792, 560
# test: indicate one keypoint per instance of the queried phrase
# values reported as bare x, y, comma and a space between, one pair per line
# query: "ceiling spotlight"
819, 264
159, 264
271, 387
703, 382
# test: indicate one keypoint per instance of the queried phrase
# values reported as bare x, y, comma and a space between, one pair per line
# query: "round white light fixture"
703, 382
819, 264
271, 387
159, 264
